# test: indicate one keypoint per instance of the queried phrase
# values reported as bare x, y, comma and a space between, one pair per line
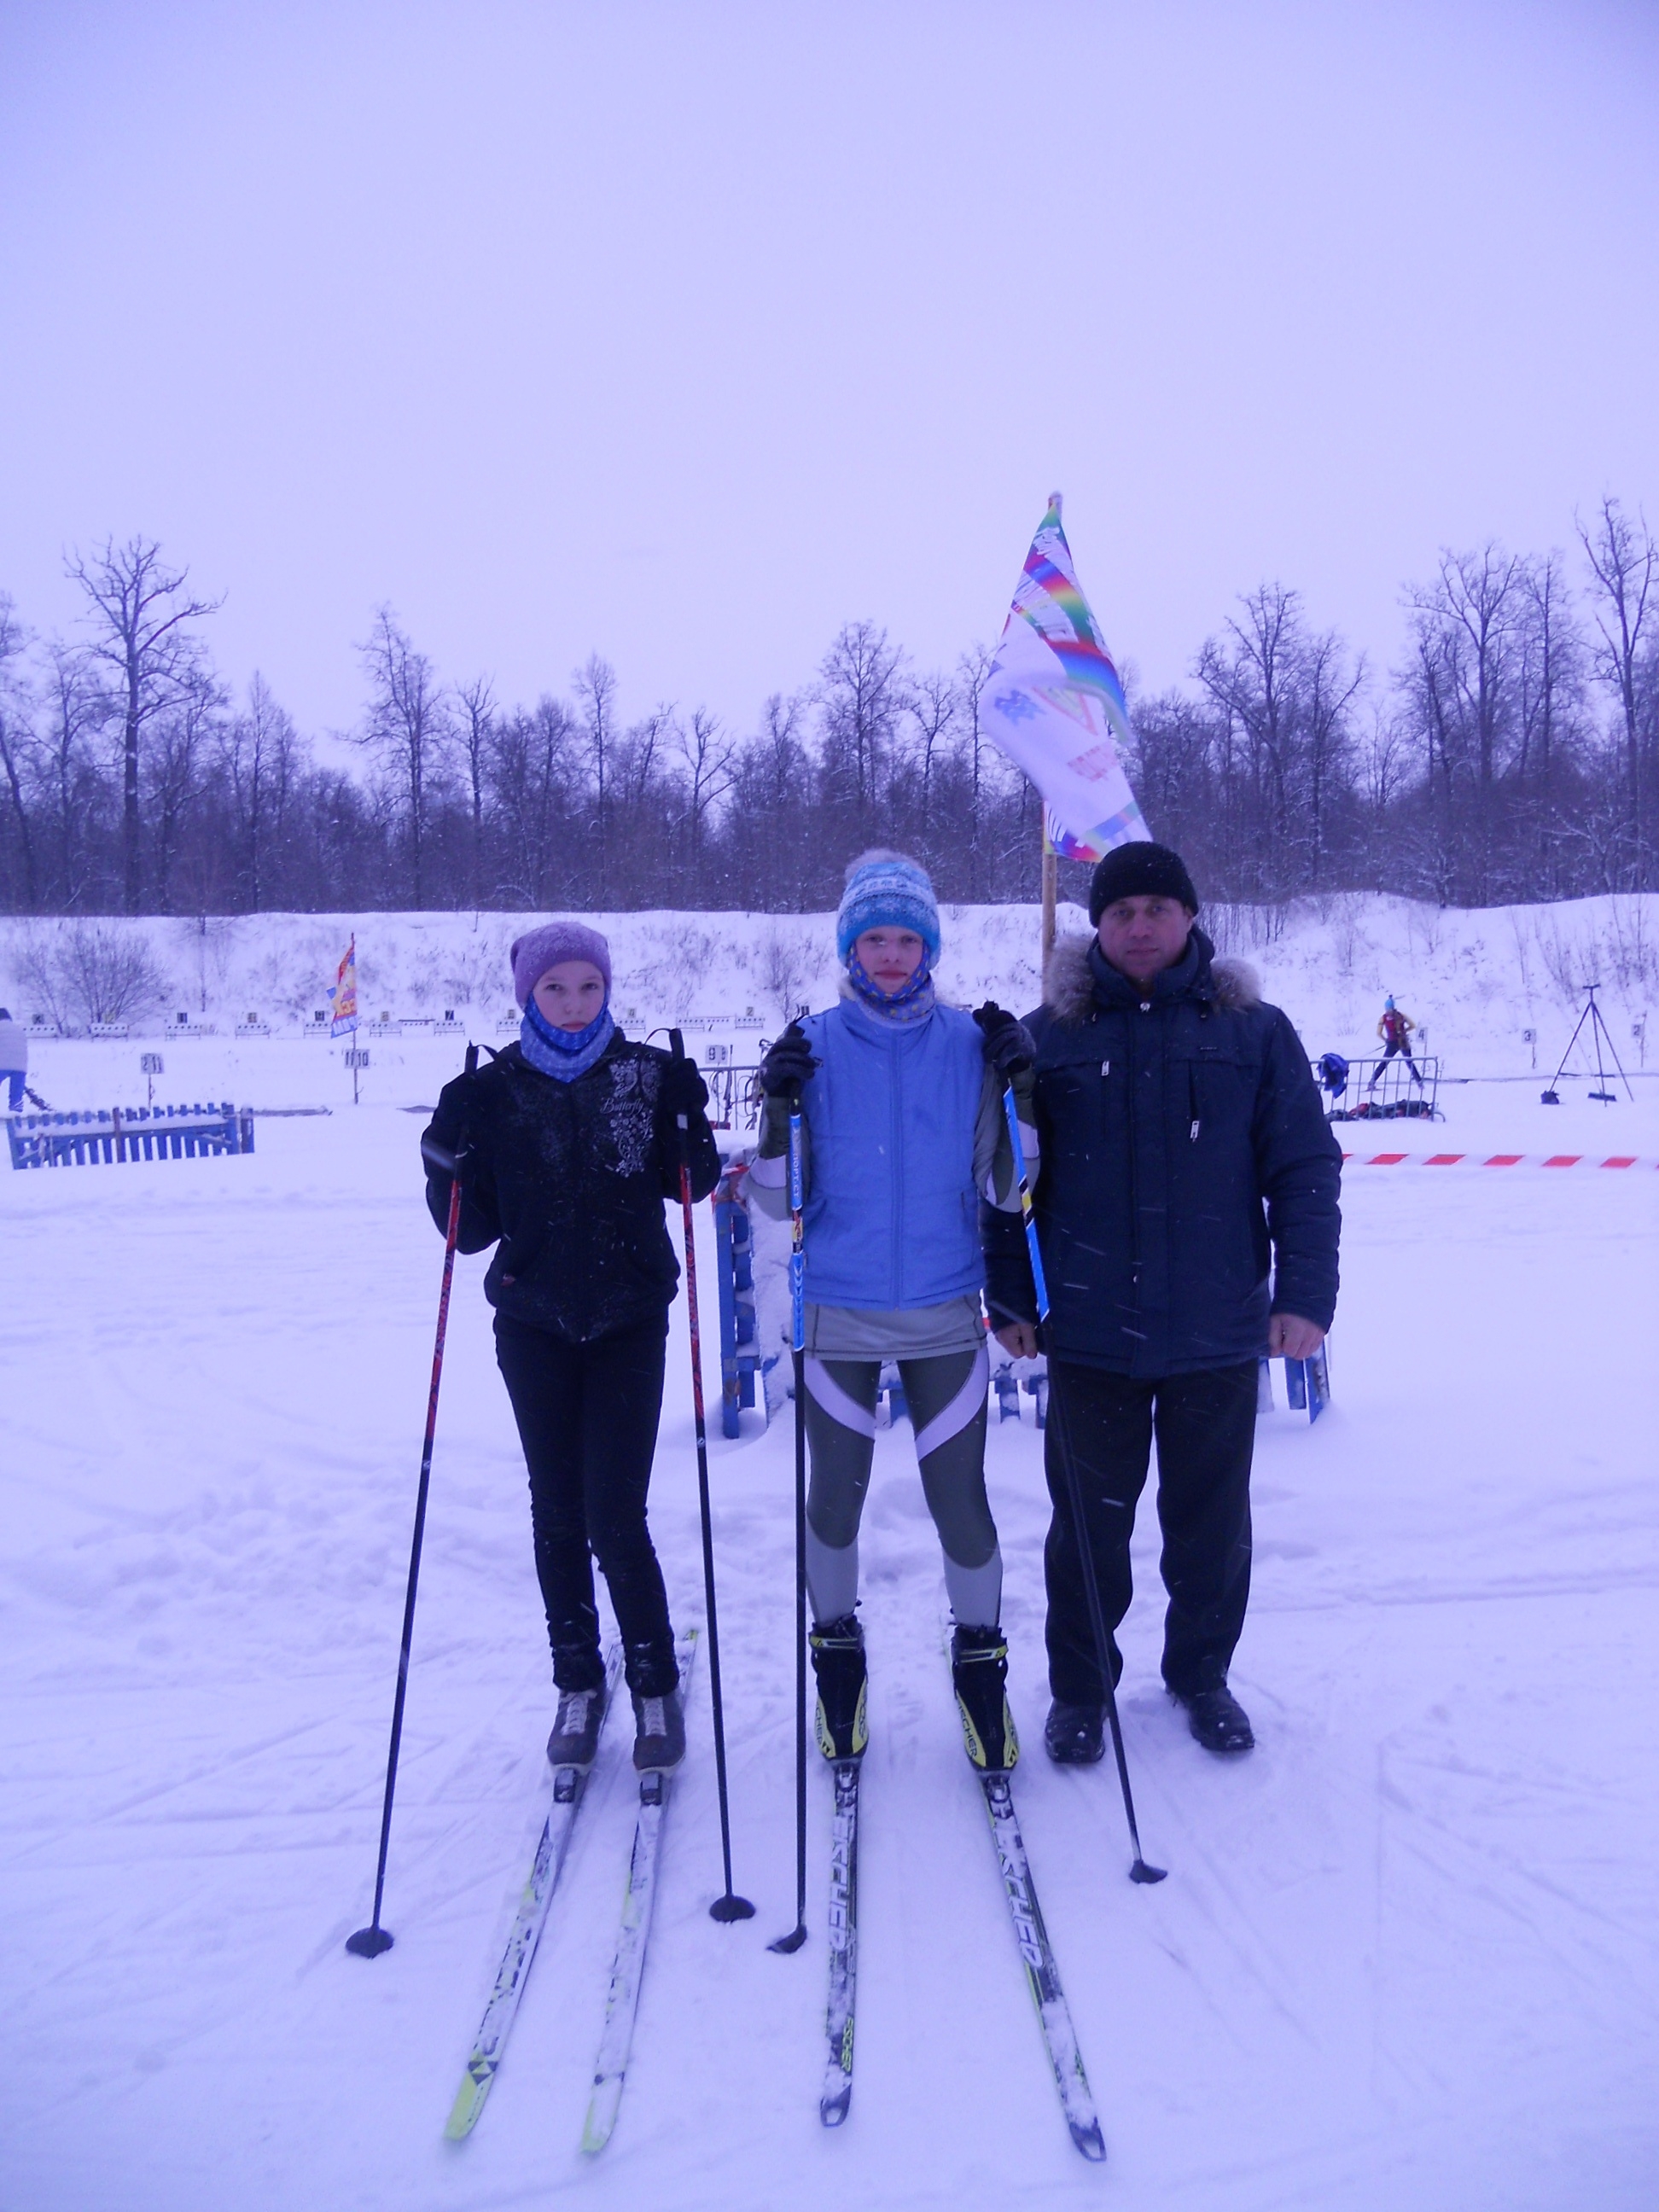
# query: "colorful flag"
1054, 704
344, 991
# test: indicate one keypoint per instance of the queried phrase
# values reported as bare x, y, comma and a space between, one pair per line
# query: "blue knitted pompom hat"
887, 891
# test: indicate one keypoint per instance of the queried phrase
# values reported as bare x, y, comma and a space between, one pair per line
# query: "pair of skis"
1035, 1951
622, 2003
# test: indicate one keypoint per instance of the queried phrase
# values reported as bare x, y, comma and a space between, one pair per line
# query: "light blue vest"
892, 1217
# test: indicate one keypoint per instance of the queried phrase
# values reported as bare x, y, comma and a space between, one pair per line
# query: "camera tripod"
1599, 1032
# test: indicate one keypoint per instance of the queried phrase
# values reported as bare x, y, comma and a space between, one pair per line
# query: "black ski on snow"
1037, 1953
837, 2095
623, 2004
569, 1788
1042, 1974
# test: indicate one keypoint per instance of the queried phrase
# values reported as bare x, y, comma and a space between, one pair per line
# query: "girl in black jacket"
567, 1145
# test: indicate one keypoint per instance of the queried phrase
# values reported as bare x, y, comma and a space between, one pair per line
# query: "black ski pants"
587, 1418
1394, 1046
1205, 1425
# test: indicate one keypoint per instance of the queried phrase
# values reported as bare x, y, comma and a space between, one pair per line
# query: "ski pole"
1140, 1871
797, 1935
369, 1943
728, 1905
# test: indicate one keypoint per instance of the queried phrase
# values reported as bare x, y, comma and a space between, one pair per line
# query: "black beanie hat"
1140, 870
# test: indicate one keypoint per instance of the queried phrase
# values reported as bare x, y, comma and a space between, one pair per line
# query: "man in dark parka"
1187, 1211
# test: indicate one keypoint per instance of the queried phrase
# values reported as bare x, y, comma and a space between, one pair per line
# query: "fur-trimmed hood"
1068, 984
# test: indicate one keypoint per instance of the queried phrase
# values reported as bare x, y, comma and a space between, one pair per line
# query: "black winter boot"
1075, 1735
1218, 1721
842, 1724
575, 1736
658, 1732
979, 1668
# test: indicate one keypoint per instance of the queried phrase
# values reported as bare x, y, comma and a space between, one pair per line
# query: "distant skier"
567, 1145
1395, 1031
902, 1101
13, 1059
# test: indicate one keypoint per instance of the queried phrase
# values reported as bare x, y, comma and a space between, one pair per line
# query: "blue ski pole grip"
1011, 1113
797, 1247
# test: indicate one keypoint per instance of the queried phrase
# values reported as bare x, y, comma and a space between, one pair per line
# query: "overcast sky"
687, 332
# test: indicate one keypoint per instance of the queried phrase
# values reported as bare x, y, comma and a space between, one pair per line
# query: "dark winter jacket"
571, 1177
1184, 1154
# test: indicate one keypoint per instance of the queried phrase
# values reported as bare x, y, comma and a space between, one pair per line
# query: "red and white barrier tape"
1495, 1160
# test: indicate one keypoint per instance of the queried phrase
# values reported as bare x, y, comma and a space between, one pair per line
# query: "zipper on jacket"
894, 1137
1192, 1101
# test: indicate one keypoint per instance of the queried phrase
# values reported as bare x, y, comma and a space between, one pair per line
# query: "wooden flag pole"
1050, 879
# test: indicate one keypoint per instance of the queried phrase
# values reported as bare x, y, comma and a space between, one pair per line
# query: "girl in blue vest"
901, 1099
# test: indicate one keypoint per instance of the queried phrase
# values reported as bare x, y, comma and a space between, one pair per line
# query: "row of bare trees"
1512, 753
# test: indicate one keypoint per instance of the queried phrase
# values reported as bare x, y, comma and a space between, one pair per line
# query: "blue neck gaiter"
564, 1054
912, 1004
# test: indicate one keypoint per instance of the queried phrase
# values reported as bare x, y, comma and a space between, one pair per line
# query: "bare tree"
706, 752
533, 787
173, 774
91, 972
595, 686
406, 727
16, 742
933, 706
1462, 688
1480, 594
474, 728
73, 710
1624, 561
256, 750
863, 696
1547, 674
138, 620
784, 969
1329, 686
973, 674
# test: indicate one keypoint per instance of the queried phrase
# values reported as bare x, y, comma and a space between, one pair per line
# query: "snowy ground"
1406, 1954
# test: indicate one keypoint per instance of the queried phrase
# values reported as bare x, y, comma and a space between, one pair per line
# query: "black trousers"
1205, 1425
587, 1418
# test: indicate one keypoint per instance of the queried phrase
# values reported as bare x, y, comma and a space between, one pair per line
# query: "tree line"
1510, 753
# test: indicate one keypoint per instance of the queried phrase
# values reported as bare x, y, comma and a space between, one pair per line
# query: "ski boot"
1074, 1733
979, 1668
1218, 1721
658, 1732
575, 1736
842, 1722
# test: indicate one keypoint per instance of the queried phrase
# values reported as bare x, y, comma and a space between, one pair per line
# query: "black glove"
1008, 1044
787, 1068
683, 1092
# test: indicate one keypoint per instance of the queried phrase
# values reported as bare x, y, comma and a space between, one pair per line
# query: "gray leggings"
946, 1396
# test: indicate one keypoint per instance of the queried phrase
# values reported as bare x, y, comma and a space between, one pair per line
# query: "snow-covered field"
1407, 1955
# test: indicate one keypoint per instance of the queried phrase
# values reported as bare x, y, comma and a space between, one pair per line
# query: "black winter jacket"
1184, 1151
571, 1177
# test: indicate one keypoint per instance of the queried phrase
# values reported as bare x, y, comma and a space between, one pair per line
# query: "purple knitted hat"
534, 954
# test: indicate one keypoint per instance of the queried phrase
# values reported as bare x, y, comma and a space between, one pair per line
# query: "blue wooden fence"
137, 1132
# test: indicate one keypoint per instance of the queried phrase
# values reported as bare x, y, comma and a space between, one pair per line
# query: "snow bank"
1476, 981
